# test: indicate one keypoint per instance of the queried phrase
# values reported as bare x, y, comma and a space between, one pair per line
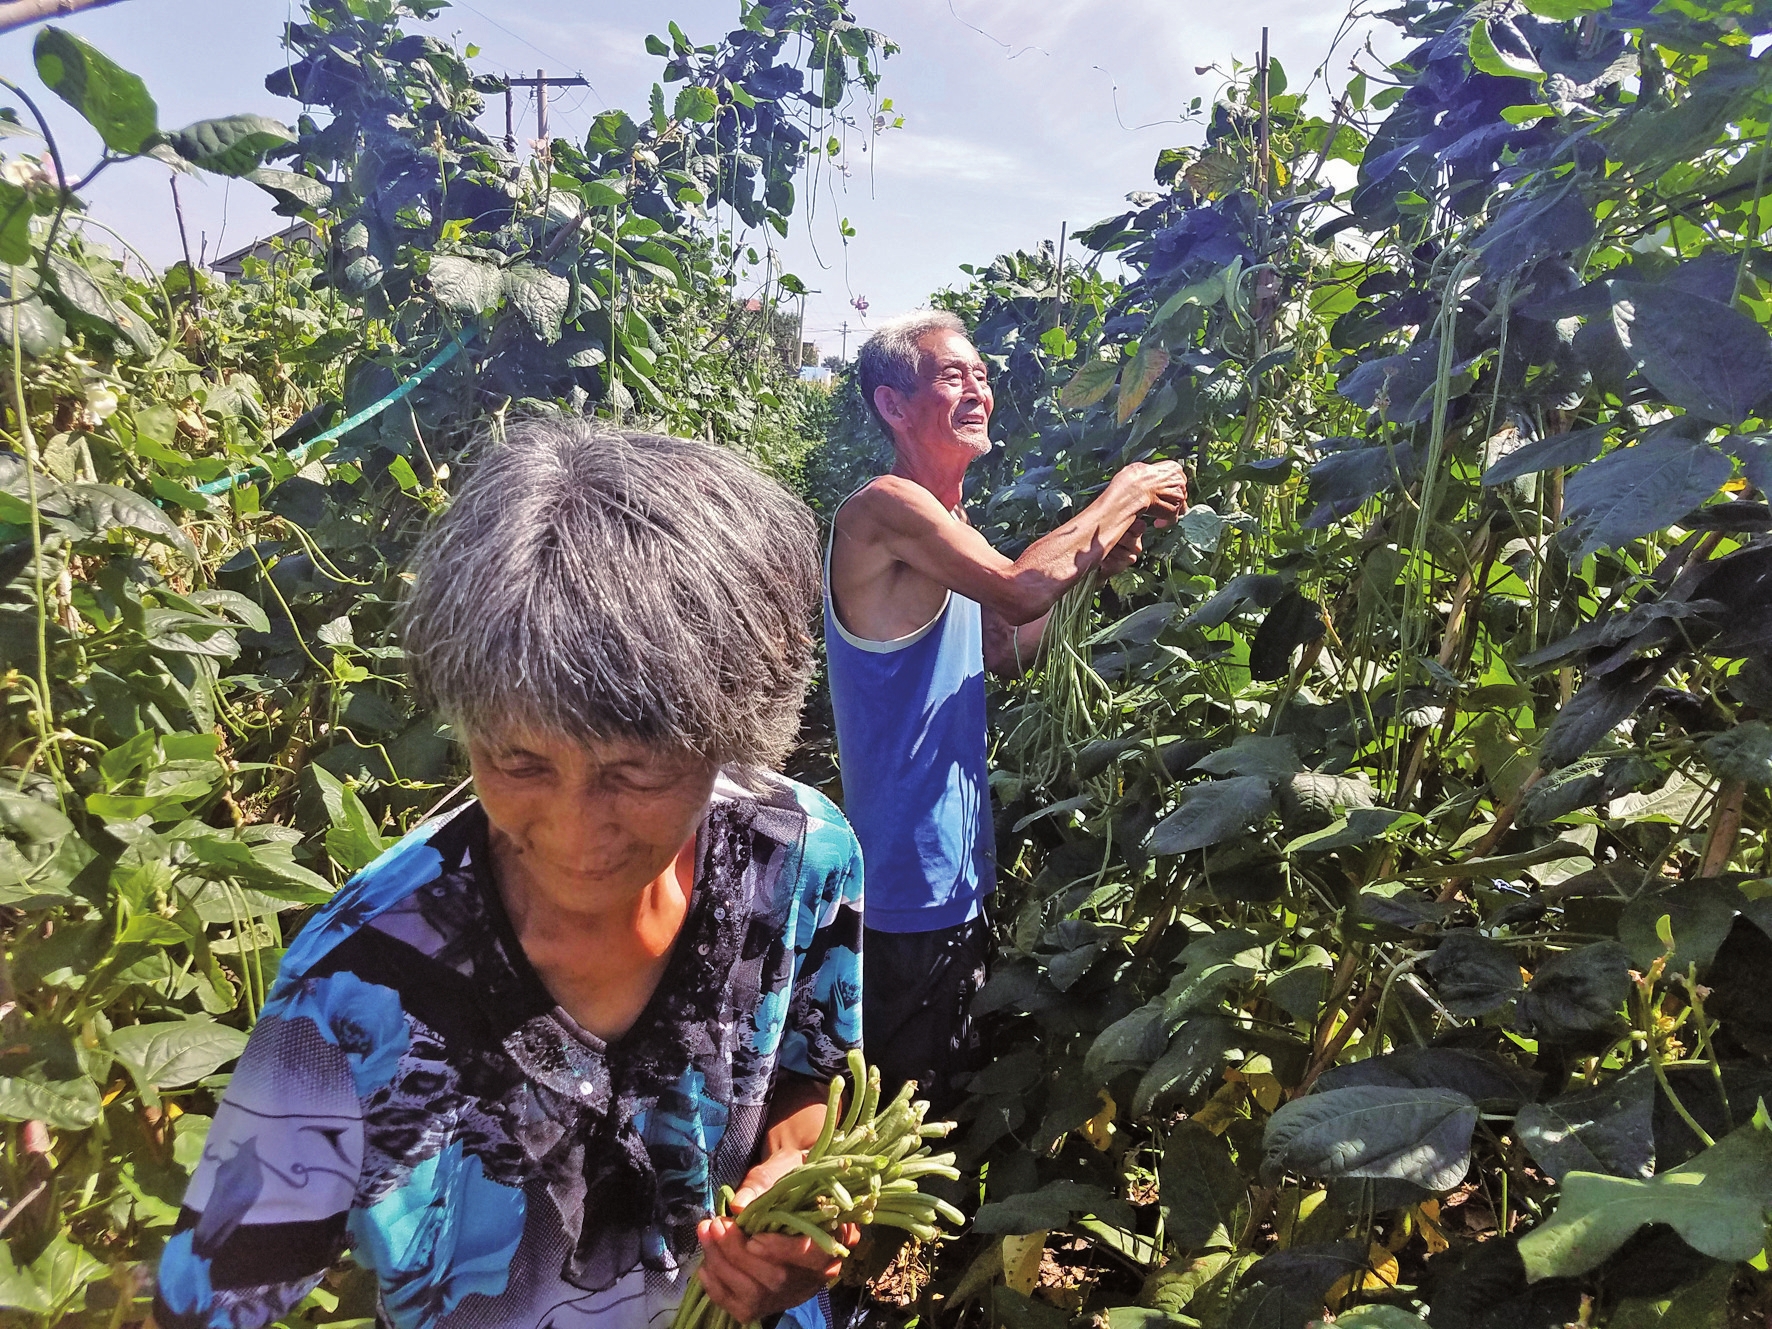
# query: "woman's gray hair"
890, 358
605, 585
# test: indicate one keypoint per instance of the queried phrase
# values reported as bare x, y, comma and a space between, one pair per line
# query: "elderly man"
917, 604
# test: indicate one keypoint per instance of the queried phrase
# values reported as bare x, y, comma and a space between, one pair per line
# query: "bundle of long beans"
1069, 699
864, 1170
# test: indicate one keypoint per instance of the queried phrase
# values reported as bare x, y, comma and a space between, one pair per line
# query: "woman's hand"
753, 1276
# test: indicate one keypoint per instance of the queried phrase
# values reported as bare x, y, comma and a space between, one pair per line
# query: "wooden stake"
1725, 829
1261, 150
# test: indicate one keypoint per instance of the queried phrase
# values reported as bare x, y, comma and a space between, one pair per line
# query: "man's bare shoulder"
889, 502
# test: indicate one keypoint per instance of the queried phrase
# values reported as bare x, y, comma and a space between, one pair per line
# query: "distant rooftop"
233, 266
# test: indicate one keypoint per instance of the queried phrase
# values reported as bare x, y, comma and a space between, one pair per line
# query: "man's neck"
940, 475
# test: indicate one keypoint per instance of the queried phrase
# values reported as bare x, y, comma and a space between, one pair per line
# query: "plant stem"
44, 712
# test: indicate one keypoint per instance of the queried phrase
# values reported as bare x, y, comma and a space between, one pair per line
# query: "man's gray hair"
606, 585
890, 358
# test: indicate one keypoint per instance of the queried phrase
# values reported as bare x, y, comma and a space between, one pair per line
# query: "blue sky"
1020, 116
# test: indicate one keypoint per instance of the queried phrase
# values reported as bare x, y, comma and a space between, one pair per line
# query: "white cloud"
907, 153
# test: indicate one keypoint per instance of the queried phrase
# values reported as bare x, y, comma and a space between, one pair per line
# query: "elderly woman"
512, 1062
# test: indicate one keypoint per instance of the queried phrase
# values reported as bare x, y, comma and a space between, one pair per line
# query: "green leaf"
352, 840
152, 930
1488, 1080
1147, 1317
1250, 754
1358, 826
293, 191
1421, 1136
1705, 356
466, 286
1052, 1206
1561, 11
1608, 1129
233, 145
113, 101
1173, 1287
40, 329
1717, 1202
1013, 1310
52, 1285
1700, 915
1212, 812
1701, 1304
1743, 753
31, 819
1196, 1052
173, 1053
1201, 1191
601, 194
540, 297
66, 1105
249, 613
1472, 974
1377, 1317
16, 212
84, 295
1578, 992
109, 507
697, 104
1508, 58
1636, 491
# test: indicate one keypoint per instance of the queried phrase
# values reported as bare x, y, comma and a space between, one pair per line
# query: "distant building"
815, 374
233, 266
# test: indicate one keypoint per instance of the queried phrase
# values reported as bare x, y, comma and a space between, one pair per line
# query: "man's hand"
753, 1276
1125, 554
1156, 487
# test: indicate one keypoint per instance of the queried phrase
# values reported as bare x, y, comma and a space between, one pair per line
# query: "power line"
541, 83
579, 73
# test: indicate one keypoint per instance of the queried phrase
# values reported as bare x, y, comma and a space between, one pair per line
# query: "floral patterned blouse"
411, 1090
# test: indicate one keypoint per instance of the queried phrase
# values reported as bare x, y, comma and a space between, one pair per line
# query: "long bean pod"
864, 1169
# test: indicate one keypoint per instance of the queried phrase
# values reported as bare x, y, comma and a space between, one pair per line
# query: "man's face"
952, 404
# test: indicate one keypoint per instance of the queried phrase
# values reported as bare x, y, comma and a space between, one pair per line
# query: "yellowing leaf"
1223, 1107
1140, 377
1021, 1261
1214, 175
1293, 1213
1381, 1274
1267, 1090
1427, 1217
1099, 1129
1091, 383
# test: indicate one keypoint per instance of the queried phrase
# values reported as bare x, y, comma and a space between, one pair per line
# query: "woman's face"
594, 825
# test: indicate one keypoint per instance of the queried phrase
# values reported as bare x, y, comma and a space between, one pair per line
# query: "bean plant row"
1386, 855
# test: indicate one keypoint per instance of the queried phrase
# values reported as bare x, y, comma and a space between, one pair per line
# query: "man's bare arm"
1010, 650
905, 519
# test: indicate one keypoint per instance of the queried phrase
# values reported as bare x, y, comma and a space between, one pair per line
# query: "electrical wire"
577, 73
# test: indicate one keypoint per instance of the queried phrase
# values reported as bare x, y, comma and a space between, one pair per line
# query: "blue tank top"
911, 744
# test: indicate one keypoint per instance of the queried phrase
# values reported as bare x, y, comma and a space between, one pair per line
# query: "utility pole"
541, 83
845, 356
510, 124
